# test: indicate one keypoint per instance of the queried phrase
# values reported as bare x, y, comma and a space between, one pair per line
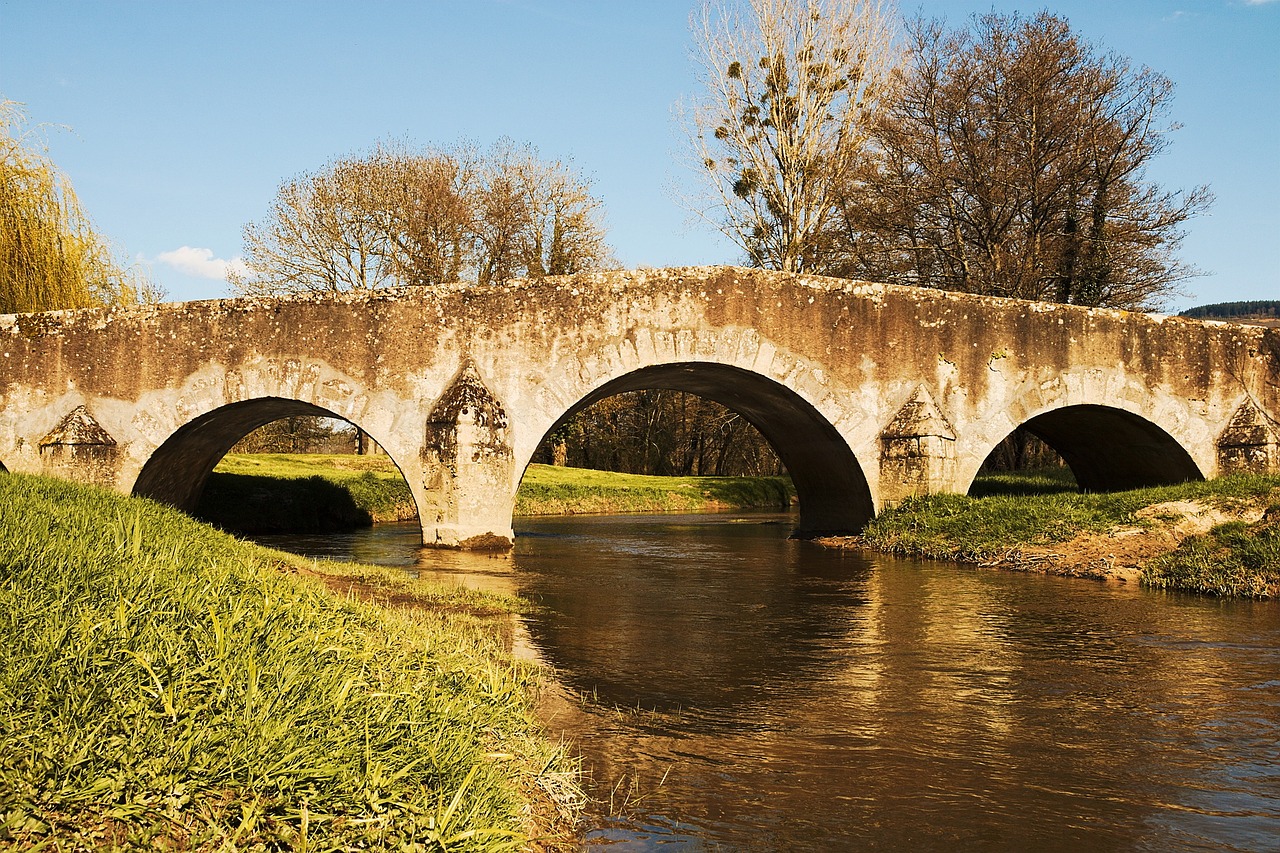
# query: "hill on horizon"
1263, 312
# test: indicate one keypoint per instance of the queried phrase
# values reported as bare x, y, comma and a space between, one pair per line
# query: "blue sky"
182, 118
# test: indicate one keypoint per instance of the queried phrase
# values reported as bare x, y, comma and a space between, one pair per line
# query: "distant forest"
1223, 310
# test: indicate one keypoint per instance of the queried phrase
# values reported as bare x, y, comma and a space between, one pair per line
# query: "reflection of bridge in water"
867, 392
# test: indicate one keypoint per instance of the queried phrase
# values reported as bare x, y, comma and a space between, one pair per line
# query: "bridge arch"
832, 488
177, 470
1109, 448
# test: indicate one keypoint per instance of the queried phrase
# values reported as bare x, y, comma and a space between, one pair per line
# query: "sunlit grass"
977, 529
263, 492
164, 685
550, 490
276, 489
1235, 559
1035, 481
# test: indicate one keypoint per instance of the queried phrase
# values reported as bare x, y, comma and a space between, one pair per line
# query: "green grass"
302, 493
163, 685
548, 490
260, 493
978, 529
1035, 481
1235, 559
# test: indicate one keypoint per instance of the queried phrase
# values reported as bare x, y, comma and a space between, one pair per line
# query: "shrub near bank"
163, 685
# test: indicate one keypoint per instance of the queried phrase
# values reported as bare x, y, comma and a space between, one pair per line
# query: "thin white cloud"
201, 263
1259, 2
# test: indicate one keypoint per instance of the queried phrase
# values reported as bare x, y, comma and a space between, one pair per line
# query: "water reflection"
400, 545
734, 620
746, 692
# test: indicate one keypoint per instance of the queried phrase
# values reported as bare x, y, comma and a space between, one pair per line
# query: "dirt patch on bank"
1119, 554
1116, 555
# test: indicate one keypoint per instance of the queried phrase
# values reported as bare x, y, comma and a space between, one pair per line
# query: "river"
731, 689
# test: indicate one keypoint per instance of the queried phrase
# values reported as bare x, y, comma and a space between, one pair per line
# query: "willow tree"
425, 217
50, 256
790, 93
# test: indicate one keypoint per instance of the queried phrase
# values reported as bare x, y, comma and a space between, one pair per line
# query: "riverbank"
1220, 537
549, 490
304, 493
165, 686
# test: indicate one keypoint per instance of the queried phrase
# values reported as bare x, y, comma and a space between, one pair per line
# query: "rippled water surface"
734, 690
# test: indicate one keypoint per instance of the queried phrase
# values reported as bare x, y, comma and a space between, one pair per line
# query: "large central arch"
832, 489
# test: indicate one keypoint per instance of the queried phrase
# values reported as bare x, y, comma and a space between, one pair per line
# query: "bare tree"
426, 204
562, 231
536, 218
503, 218
320, 235
1012, 163
791, 91
400, 216
295, 434
664, 433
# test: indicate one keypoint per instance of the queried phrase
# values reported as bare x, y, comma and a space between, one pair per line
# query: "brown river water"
731, 689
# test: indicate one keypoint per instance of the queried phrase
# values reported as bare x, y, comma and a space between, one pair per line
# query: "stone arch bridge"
869, 393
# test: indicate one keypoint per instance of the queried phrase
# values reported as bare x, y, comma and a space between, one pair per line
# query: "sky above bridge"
176, 122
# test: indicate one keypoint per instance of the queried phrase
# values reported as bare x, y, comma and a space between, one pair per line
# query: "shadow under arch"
179, 468
1111, 450
832, 489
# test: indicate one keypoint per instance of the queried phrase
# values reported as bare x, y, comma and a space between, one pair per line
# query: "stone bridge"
868, 393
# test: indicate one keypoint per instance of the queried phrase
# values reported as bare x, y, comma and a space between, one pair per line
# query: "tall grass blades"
162, 684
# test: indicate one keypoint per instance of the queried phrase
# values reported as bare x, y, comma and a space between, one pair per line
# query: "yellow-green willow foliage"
50, 256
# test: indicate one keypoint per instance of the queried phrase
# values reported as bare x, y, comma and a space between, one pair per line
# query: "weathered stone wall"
869, 392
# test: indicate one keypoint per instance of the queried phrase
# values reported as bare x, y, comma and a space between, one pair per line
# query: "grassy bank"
1236, 558
548, 490
260, 493
304, 493
1219, 536
164, 686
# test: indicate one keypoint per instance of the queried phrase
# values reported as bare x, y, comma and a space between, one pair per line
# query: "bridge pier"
917, 451
468, 469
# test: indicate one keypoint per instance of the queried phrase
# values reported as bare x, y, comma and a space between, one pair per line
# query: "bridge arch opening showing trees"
830, 484
1110, 449
180, 471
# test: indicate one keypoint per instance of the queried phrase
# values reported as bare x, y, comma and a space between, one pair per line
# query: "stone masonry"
868, 392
